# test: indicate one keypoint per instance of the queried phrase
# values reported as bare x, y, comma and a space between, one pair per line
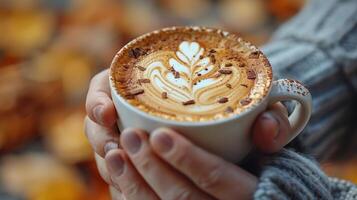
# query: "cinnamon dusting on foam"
206, 74
164, 95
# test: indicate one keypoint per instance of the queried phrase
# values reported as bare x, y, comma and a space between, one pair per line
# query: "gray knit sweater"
289, 175
318, 47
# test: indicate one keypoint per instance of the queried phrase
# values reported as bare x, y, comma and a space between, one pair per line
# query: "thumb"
271, 130
99, 105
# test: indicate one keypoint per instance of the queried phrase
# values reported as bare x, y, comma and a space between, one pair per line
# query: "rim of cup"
169, 122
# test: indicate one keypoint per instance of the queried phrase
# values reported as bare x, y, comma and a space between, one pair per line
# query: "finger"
125, 178
115, 194
212, 174
279, 107
163, 179
102, 168
271, 129
99, 105
102, 139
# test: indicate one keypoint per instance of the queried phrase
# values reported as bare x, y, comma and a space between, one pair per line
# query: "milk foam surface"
205, 75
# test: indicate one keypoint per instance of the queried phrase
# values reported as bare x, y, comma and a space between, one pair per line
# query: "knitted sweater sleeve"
319, 48
289, 175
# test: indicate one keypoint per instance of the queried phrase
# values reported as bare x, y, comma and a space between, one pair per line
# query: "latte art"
191, 77
196, 76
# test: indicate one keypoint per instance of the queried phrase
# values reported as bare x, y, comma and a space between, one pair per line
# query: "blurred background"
49, 50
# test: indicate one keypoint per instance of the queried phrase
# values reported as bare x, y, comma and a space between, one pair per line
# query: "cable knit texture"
319, 48
289, 175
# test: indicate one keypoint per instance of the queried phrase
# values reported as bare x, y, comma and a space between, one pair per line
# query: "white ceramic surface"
228, 137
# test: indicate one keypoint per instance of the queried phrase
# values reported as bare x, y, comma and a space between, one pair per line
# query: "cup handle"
285, 89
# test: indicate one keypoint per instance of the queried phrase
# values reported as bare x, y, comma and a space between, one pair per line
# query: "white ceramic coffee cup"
228, 137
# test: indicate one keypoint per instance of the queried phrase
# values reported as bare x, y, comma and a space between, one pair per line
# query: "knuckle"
211, 179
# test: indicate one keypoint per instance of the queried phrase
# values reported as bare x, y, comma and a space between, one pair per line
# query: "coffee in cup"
208, 84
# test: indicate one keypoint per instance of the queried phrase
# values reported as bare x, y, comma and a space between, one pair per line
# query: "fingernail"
116, 165
164, 141
110, 146
98, 110
131, 141
269, 117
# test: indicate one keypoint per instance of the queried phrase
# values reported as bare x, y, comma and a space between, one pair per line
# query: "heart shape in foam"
185, 75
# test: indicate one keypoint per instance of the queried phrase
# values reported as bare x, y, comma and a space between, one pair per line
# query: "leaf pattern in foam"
189, 52
189, 63
193, 68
